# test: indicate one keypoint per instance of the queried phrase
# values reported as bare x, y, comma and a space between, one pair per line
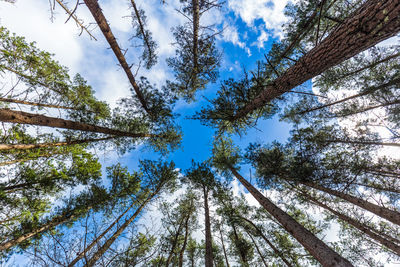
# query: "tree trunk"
377, 143
350, 73
275, 249
258, 249
178, 231
47, 145
223, 248
372, 23
382, 212
395, 102
196, 23
321, 252
92, 261
10, 162
242, 256
184, 241
209, 254
101, 21
7, 115
53, 223
365, 92
142, 30
10, 100
97, 239
363, 228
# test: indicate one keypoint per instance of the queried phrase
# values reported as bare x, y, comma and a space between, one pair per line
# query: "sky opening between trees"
200, 132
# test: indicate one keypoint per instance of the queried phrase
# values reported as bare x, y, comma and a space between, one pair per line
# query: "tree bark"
372, 23
101, 21
223, 247
182, 251
55, 144
7, 115
53, 223
142, 30
174, 243
377, 143
318, 249
97, 239
241, 254
382, 212
96, 256
16, 101
363, 228
275, 249
209, 254
196, 23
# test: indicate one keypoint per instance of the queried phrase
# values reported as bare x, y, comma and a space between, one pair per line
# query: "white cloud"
262, 39
270, 11
231, 35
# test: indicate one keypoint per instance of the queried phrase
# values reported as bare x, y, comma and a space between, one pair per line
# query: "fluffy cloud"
270, 11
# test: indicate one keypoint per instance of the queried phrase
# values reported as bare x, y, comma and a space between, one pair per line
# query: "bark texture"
318, 249
372, 23
101, 21
209, 254
55, 144
382, 212
7, 115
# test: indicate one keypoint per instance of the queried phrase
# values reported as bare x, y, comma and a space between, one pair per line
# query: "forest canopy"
200, 132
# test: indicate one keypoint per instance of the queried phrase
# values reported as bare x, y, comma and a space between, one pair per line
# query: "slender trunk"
379, 187
372, 23
47, 145
53, 223
395, 102
223, 247
97, 239
365, 92
275, 249
10, 162
382, 212
209, 254
182, 251
96, 256
377, 143
171, 253
142, 30
363, 228
350, 73
7, 115
258, 249
196, 23
101, 21
241, 254
16, 101
321, 252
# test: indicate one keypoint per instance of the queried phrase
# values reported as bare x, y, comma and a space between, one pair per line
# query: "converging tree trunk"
101, 21
258, 250
209, 254
21, 117
382, 212
55, 144
96, 256
372, 23
275, 249
97, 239
318, 249
363, 228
